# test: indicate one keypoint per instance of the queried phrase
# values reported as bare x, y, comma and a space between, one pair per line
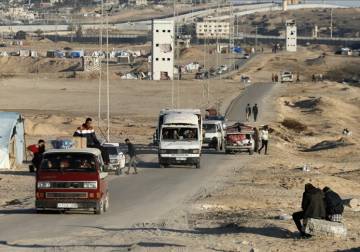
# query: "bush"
294, 125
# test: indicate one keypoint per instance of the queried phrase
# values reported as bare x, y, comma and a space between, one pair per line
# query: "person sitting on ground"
313, 206
334, 205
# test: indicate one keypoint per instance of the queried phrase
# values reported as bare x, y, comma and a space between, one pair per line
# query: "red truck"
72, 179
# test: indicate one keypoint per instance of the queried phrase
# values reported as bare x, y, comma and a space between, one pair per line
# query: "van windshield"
210, 128
179, 134
69, 162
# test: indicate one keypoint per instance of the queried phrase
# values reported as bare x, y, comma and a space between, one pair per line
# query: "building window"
157, 45
163, 59
157, 59
169, 31
157, 30
164, 31
168, 59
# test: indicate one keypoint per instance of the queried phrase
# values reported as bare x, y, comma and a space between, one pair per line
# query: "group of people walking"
254, 110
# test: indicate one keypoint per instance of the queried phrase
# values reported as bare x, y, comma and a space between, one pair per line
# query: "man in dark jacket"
248, 112
132, 154
255, 111
87, 131
334, 205
313, 206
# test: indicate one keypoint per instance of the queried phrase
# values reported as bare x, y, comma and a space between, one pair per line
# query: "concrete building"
291, 35
213, 30
163, 49
138, 2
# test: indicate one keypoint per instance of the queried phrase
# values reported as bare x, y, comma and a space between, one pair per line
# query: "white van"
180, 138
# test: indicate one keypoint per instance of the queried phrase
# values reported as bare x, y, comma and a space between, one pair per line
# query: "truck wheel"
107, 203
251, 152
162, 165
197, 165
100, 207
227, 151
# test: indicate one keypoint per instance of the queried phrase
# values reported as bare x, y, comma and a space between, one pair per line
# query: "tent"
12, 142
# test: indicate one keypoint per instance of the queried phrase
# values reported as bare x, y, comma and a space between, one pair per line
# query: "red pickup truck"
71, 179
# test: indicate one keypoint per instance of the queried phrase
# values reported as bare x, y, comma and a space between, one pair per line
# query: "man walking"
248, 112
313, 206
255, 111
132, 154
264, 136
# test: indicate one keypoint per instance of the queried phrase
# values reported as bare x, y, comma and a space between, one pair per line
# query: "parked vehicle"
245, 79
202, 75
180, 137
239, 138
214, 134
287, 77
70, 179
117, 157
246, 56
222, 69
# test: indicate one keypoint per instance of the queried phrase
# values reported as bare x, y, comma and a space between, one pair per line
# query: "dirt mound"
316, 61
190, 53
43, 129
294, 125
20, 65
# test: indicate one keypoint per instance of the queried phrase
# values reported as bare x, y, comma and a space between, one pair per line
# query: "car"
214, 134
222, 69
239, 138
72, 179
286, 77
246, 56
117, 157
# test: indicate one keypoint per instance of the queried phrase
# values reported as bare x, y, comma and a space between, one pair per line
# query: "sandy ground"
240, 211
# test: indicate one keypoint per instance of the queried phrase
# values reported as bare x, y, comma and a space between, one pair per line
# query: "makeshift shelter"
12, 142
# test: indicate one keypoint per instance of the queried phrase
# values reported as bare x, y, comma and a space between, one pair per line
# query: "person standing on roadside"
255, 111
256, 139
132, 154
264, 135
248, 112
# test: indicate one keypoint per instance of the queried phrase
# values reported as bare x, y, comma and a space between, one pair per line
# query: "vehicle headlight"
196, 151
90, 185
43, 184
162, 151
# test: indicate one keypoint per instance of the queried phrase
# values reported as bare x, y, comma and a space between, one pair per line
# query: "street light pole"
107, 77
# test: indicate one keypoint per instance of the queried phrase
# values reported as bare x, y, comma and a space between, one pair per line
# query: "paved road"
134, 198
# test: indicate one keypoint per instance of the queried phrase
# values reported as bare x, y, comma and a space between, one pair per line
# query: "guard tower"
291, 36
163, 50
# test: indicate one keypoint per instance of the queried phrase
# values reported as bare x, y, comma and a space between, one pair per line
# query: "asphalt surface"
133, 198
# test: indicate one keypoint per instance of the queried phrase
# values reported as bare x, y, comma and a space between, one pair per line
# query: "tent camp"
12, 143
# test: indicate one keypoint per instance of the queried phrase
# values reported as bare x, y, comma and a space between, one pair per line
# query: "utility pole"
256, 37
331, 23
107, 77
100, 58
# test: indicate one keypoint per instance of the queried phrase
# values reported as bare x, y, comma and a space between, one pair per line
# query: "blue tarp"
237, 50
11, 127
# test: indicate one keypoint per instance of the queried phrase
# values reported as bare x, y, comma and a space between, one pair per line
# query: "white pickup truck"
214, 134
180, 137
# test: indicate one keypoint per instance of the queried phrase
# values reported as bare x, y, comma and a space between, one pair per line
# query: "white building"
138, 2
212, 30
163, 49
291, 36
